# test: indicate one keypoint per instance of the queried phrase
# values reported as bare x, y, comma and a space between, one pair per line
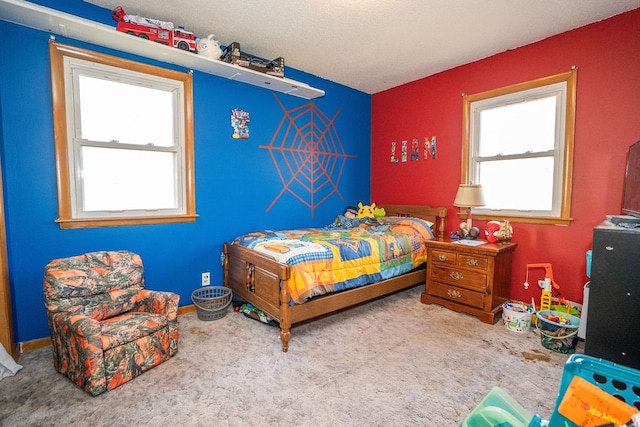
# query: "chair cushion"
97, 284
129, 327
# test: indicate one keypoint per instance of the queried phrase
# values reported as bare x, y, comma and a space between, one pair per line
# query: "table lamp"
469, 196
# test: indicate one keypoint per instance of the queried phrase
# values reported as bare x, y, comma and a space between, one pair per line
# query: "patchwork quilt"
345, 254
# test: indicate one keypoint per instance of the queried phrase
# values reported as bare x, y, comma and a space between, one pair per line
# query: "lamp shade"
469, 195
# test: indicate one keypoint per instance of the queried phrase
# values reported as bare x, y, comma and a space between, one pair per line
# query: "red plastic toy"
154, 30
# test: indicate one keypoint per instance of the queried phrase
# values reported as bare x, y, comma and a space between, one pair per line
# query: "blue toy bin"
499, 409
619, 381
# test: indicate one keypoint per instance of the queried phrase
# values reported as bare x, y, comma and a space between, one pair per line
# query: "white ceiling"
374, 45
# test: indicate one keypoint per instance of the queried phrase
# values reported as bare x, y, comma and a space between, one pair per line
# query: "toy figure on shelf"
209, 47
233, 55
154, 29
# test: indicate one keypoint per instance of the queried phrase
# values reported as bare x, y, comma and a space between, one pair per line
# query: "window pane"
517, 128
525, 184
131, 114
116, 179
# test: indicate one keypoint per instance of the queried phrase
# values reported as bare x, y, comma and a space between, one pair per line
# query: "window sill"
543, 220
112, 222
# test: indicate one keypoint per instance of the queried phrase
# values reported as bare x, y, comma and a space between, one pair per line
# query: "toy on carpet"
546, 285
255, 313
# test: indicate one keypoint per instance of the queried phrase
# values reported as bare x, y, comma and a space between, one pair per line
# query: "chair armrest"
157, 302
87, 330
77, 349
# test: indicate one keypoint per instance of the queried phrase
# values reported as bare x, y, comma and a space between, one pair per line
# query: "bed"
272, 285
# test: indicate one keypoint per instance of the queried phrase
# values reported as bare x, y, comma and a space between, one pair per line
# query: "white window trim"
74, 68
67, 145
563, 86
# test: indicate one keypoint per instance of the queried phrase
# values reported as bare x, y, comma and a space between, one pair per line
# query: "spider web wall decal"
308, 155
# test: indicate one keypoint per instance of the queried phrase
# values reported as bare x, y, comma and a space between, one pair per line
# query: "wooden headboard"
435, 215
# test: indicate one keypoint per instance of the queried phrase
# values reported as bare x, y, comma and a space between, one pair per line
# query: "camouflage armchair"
106, 328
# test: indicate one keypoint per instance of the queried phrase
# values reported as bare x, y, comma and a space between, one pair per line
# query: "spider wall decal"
308, 155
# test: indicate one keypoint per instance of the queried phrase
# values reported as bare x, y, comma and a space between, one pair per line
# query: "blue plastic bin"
617, 380
499, 409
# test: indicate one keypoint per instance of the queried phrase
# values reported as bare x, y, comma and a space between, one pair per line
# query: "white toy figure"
209, 47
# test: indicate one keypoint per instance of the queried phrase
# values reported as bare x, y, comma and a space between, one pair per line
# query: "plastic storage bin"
516, 316
500, 409
617, 380
558, 337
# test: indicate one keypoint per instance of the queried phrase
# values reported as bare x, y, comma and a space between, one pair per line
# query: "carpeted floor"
391, 362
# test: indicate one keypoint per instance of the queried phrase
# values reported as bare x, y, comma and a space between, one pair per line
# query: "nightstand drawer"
444, 257
473, 261
459, 295
469, 279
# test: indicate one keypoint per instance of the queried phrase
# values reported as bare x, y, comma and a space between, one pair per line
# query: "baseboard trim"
44, 342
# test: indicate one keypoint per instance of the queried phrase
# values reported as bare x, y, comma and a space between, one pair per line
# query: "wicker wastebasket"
211, 302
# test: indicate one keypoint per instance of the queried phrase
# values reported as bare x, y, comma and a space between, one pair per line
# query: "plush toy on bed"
379, 212
351, 212
366, 211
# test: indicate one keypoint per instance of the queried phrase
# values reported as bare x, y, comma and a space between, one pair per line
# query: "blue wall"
236, 180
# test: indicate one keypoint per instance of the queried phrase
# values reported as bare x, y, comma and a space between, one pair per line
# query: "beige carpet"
391, 362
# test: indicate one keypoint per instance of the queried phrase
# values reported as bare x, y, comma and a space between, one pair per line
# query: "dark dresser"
613, 317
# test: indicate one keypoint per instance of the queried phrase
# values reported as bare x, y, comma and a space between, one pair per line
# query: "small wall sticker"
433, 147
394, 159
240, 124
415, 150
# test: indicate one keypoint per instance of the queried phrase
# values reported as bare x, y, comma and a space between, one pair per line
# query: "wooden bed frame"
260, 280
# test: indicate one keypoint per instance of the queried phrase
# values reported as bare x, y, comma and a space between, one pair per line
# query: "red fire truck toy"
154, 30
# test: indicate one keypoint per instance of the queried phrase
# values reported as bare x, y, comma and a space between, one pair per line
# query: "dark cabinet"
613, 316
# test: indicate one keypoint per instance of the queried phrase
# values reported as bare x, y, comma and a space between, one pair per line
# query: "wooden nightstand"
470, 279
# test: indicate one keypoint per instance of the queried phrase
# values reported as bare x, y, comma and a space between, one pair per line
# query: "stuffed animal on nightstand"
209, 47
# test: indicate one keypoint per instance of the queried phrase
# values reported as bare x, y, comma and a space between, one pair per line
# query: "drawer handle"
456, 275
472, 262
453, 294
443, 258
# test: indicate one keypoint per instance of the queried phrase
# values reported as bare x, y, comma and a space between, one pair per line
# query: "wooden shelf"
53, 21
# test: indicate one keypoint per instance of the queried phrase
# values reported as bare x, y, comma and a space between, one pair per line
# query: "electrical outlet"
206, 278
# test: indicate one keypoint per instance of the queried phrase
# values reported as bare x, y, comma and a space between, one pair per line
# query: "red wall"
607, 122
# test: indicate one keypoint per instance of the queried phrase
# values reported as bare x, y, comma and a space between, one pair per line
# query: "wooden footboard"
261, 281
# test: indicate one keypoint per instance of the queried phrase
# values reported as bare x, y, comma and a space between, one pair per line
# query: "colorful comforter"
345, 254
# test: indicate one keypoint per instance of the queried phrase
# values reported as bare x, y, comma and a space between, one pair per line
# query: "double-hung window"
124, 140
518, 144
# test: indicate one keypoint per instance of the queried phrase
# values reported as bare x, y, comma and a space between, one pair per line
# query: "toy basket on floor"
558, 337
211, 302
619, 381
